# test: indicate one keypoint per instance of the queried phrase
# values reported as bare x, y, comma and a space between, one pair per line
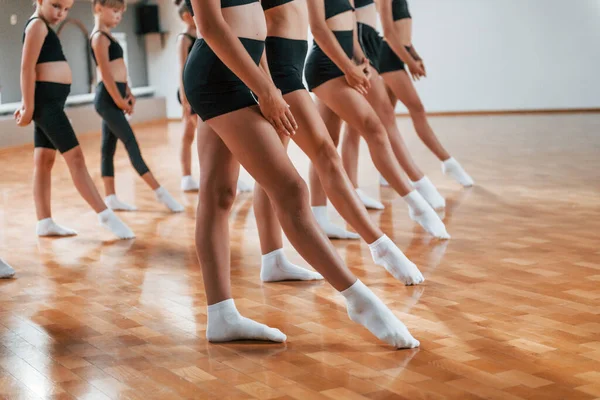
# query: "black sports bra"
192, 38
400, 10
51, 49
363, 3
224, 4
115, 51
335, 7
267, 4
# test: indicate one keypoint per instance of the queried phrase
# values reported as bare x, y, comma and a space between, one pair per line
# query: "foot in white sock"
429, 192
47, 227
332, 231
368, 310
382, 181
226, 324
188, 184
244, 187
422, 213
455, 170
165, 197
110, 221
369, 202
387, 254
115, 204
6, 271
276, 267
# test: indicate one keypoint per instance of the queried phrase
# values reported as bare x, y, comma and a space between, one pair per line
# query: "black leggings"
51, 126
115, 126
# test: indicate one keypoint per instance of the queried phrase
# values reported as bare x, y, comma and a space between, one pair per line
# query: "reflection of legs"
405, 91
353, 108
253, 141
6, 271
188, 184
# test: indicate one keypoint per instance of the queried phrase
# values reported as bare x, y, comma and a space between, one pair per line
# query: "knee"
45, 160
416, 107
219, 195
373, 130
188, 134
327, 158
75, 158
292, 194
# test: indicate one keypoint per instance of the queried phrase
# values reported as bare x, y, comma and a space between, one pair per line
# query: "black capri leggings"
115, 126
51, 126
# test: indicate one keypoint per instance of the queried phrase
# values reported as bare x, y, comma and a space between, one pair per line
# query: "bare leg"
43, 161
350, 153
189, 131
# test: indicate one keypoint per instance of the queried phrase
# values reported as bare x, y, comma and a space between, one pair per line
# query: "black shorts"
51, 126
179, 100
388, 60
319, 68
212, 89
371, 42
286, 62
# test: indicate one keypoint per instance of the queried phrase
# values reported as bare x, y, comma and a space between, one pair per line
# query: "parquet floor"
510, 308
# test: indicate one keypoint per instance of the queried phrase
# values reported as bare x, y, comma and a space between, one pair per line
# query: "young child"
45, 85
114, 100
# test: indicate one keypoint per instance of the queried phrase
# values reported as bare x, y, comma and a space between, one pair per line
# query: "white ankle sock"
165, 197
382, 181
115, 204
332, 231
369, 202
429, 192
6, 271
225, 324
276, 267
244, 187
387, 254
422, 213
110, 221
455, 170
368, 310
188, 184
47, 227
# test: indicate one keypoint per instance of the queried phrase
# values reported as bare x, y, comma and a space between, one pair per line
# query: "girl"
397, 52
185, 42
341, 87
45, 85
286, 47
215, 78
6, 271
114, 100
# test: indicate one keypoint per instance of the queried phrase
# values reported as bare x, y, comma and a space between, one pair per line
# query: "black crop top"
115, 51
335, 7
267, 4
51, 49
363, 3
192, 38
224, 4
400, 10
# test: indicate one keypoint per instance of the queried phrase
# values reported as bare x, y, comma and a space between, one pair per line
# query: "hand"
23, 116
131, 99
275, 110
125, 105
416, 71
366, 64
357, 79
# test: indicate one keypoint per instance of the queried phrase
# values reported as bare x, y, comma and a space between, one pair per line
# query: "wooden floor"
510, 308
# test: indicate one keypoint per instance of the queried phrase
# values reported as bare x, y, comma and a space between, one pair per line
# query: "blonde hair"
109, 3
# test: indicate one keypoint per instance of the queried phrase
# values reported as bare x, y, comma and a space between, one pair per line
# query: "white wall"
480, 54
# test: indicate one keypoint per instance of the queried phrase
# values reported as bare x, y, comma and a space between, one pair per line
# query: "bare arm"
264, 65
359, 55
100, 44
394, 36
34, 39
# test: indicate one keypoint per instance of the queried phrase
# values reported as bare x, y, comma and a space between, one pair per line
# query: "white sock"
387, 254
165, 197
225, 324
368, 310
276, 267
382, 181
422, 213
110, 221
332, 231
47, 227
455, 170
244, 187
369, 202
188, 184
429, 192
115, 204
6, 271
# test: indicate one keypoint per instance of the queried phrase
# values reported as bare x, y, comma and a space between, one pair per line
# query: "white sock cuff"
415, 200
105, 213
320, 211
160, 190
376, 243
423, 181
273, 254
450, 162
187, 177
356, 287
222, 305
45, 221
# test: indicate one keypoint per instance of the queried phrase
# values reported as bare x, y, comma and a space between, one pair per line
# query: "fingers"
287, 119
292, 120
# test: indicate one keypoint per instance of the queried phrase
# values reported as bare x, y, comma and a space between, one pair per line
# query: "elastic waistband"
344, 38
51, 91
282, 50
121, 86
367, 28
